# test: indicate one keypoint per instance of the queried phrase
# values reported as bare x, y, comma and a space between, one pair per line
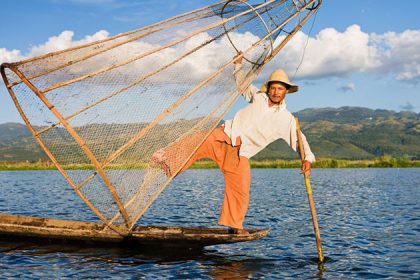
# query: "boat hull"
67, 231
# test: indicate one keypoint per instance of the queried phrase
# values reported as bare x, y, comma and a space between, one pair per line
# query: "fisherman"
231, 145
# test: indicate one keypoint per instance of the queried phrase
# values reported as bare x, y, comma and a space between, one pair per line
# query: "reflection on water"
96, 261
369, 221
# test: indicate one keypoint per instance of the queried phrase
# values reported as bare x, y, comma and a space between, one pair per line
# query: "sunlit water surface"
369, 221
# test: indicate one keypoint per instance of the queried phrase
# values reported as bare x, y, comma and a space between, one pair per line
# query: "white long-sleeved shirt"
258, 125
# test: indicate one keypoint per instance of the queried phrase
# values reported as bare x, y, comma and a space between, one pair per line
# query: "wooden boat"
67, 231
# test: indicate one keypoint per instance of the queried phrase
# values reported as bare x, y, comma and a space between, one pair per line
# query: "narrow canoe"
67, 231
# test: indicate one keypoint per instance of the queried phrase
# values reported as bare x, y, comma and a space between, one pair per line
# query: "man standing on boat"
263, 121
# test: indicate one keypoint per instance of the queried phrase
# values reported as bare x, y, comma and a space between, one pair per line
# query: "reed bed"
384, 162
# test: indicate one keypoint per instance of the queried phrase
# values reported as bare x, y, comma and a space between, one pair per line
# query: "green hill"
339, 133
17, 144
355, 133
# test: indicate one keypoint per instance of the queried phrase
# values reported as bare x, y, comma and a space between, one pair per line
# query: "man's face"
277, 91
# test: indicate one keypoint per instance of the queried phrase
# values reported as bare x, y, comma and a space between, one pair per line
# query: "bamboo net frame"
107, 106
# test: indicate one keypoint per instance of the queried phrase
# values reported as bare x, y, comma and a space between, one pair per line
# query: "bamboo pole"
310, 198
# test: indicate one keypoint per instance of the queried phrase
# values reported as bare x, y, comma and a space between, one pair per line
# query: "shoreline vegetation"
383, 162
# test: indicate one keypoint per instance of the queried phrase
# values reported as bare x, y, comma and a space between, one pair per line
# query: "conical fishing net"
101, 110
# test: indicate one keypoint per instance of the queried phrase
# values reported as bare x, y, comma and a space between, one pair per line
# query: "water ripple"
369, 221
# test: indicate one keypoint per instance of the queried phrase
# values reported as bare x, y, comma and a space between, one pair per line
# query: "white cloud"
64, 41
333, 53
9, 56
207, 57
55, 43
329, 53
199, 65
399, 54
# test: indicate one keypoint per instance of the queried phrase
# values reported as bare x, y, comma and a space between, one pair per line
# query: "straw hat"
279, 76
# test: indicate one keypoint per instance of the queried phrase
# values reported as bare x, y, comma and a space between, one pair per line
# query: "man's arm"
309, 157
239, 76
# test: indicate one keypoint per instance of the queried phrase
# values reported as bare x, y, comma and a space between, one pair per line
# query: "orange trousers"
235, 168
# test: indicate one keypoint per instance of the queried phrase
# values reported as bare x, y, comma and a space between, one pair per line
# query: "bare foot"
159, 159
242, 232
239, 231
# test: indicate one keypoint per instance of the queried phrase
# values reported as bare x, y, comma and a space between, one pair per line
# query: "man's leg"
172, 157
236, 199
236, 170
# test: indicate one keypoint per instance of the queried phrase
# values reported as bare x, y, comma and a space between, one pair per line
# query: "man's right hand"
306, 168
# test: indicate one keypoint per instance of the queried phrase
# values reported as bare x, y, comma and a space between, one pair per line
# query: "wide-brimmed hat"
280, 76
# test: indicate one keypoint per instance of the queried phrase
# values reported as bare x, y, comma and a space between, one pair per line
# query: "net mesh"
102, 110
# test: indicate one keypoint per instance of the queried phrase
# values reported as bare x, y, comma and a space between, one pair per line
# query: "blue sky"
372, 45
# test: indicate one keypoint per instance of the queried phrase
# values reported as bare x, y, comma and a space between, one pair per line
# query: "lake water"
369, 221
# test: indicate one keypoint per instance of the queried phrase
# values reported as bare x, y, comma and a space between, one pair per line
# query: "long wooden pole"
310, 198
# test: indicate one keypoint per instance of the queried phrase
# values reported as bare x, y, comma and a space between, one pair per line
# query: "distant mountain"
17, 144
13, 131
341, 133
